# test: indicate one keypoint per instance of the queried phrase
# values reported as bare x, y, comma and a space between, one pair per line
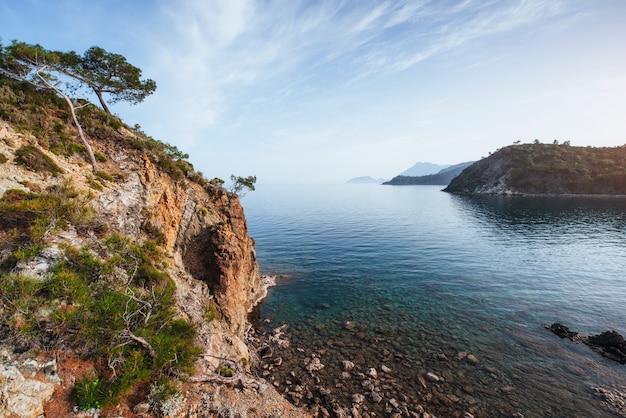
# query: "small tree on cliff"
35, 65
241, 183
105, 72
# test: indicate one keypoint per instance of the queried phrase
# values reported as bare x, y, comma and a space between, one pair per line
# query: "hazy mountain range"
433, 173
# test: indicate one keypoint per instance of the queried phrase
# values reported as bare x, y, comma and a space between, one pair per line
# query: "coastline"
521, 194
265, 282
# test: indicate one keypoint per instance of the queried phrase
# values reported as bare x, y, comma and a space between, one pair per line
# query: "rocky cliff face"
201, 230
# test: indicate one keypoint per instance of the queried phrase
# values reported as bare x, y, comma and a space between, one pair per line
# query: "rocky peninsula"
546, 169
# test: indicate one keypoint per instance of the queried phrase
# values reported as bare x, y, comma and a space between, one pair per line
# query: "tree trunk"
102, 102
45, 84
92, 158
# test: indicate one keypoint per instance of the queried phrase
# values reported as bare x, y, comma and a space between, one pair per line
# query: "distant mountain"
365, 180
423, 169
546, 169
443, 177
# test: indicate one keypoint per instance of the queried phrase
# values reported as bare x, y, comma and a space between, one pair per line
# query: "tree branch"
238, 378
145, 344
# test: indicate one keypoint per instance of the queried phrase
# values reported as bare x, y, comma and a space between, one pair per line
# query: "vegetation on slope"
546, 169
111, 301
45, 116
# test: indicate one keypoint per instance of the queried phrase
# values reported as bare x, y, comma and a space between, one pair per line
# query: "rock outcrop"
23, 389
609, 344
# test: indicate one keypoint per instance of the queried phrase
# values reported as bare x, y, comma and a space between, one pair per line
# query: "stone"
21, 396
472, 359
325, 391
432, 377
314, 365
375, 397
30, 367
142, 408
385, 369
347, 365
562, 331
357, 398
610, 344
371, 372
613, 397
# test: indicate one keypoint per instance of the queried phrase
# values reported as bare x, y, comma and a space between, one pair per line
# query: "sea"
456, 286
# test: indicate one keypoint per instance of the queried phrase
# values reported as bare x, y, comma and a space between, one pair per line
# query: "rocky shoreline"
326, 384
359, 374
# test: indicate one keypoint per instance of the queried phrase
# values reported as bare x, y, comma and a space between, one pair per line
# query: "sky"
323, 91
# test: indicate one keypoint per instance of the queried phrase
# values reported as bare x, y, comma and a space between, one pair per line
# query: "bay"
425, 275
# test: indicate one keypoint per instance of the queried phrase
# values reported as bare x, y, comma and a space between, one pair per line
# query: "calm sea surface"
430, 274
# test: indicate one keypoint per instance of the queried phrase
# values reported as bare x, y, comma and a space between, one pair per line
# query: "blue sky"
323, 91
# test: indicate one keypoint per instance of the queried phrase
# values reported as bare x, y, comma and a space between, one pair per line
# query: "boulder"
21, 396
562, 331
610, 344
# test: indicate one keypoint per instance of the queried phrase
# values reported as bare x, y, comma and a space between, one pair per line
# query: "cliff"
546, 169
125, 289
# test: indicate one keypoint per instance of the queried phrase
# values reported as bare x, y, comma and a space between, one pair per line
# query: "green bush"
27, 217
210, 313
3, 158
35, 160
88, 393
226, 371
19, 301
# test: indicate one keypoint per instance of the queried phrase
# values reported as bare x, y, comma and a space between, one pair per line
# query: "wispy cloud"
247, 41
258, 52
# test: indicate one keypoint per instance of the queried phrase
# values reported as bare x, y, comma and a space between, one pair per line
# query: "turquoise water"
424, 273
